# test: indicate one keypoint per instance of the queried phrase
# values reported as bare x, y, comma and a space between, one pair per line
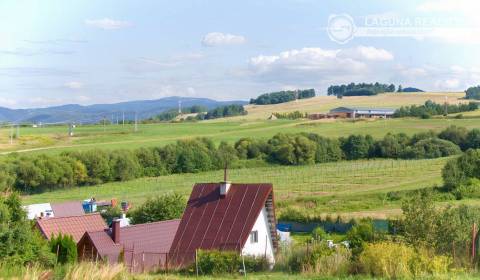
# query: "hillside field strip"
54, 138
358, 187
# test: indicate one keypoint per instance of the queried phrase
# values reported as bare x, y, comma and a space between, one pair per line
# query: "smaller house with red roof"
143, 246
76, 226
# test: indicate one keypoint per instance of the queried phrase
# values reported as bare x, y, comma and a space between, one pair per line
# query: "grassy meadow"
356, 188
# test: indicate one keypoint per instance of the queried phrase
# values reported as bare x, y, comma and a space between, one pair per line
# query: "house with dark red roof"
227, 217
76, 226
142, 246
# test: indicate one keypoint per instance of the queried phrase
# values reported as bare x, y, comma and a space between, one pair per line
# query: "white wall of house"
36, 210
264, 245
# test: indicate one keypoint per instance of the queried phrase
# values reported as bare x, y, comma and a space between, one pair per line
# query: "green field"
54, 139
356, 187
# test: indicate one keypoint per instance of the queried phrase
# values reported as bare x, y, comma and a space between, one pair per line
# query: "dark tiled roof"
154, 237
213, 222
75, 226
66, 209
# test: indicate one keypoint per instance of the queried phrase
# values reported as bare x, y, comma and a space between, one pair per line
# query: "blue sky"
59, 52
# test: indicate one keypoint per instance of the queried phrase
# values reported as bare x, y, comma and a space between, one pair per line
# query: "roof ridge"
157, 222
67, 217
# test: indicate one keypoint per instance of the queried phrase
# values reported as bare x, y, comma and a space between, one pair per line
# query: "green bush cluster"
227, 262
361, 89
397, 261
164, 207
316, 259
295, 115
19, 244
202, 113
431, 108
473, 93
458, 172
64, 247
282, 96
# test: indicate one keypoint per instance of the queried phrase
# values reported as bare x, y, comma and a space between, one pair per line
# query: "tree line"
361, 89
202, 113
431, 108
37, 173
473, 93
282, 96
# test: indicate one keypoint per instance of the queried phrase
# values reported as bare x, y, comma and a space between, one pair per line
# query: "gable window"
254, 236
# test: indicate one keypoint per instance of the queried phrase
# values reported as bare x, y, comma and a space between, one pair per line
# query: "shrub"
319, 234
434, 148
165, 207
395, 260
228, 262
64, 248
318, 259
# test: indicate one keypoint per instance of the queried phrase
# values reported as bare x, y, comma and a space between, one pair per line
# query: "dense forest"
362, 89
36, 173
282, 96
431, 108
473, 93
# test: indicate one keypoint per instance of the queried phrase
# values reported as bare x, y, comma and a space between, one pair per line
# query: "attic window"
254, 236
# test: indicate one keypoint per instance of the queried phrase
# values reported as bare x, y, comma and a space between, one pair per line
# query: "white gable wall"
264, 244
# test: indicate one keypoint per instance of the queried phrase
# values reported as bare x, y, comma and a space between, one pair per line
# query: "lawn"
348, 188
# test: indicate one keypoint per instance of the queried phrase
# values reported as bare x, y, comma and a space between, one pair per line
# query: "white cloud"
213, 39
436, 78
367, 53
7, 102
74, 85
317, 66
108, 23
448, 84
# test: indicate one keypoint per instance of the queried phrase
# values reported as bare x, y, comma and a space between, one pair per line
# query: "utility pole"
18, 131
104, 123
11, 134
123, 118
446, 105
70, 129
179, 107
136, 122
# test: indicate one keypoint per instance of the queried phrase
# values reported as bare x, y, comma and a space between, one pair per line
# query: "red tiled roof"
213, 222
66, 209
75, 226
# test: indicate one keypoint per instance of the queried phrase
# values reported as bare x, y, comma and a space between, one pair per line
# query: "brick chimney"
116, 231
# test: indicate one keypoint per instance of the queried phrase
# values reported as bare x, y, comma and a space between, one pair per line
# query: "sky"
55, 52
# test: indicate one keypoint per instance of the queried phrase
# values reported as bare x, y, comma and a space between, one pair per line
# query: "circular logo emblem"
341, 28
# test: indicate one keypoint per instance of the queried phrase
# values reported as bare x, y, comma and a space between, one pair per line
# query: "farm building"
50, 210
144, 246
229, 217
76, 226
357, 112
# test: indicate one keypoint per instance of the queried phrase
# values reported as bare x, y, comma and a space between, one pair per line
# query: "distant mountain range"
95, 113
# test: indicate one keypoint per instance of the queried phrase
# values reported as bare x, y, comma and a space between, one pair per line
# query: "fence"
139, 261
